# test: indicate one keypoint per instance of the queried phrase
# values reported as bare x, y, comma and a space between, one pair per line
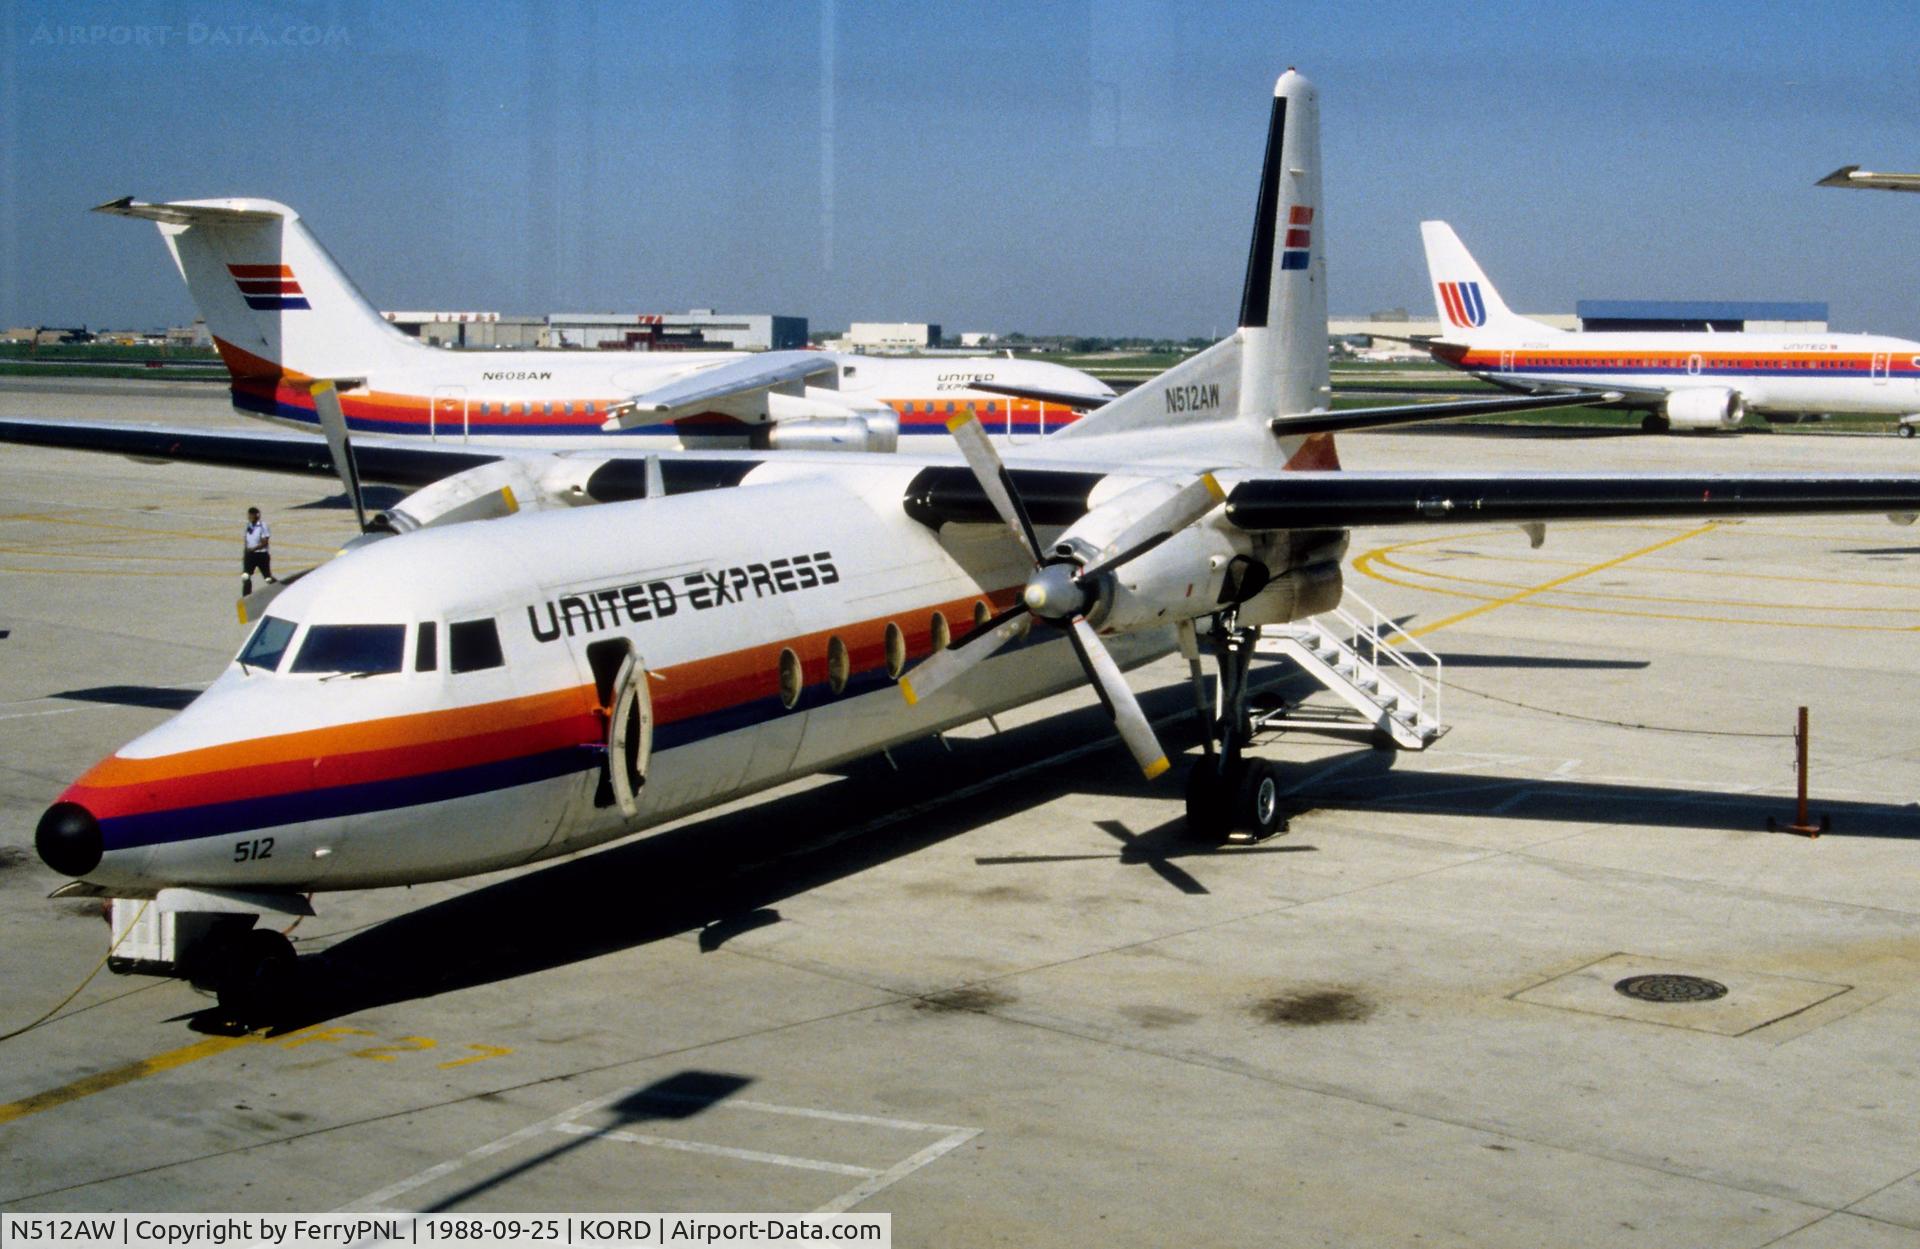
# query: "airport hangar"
701, 329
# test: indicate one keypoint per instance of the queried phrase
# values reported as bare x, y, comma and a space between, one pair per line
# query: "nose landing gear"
253, 973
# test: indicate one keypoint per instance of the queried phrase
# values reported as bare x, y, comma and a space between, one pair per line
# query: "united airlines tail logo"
1464, 306
268, 288
1299, 238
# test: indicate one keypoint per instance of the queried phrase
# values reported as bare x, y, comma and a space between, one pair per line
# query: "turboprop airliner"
636, 642
284, 316
1685, 379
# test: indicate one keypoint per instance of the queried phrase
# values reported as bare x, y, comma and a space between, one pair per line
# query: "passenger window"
358, 649
839, 665
268, 643
791, 681
473, 645
942, 635
896, 651
426, 647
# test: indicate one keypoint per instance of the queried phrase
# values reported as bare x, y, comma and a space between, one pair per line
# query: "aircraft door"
1693, 365
1009, 425
448, 415
626, 705
1880, 361
629, 735
1506, 362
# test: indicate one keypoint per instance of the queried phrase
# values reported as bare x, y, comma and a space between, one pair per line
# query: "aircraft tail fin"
275, 302
1275, 363
1468, 304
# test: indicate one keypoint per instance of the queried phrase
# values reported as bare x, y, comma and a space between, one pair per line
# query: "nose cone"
68, 839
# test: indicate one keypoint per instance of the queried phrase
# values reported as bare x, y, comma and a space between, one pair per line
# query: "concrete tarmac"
986, 987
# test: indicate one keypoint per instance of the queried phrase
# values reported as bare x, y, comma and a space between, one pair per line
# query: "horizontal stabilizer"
185, 214
1412, 413
1349, 500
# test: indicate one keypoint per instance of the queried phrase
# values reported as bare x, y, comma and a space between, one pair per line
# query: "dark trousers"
252, 562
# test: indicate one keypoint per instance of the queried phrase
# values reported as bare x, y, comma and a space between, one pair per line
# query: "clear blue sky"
1083, 167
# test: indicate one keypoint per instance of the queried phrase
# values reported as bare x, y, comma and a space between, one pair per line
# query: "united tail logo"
268, 288
1464, 306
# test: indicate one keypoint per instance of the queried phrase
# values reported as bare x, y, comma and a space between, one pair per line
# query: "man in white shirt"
255, 555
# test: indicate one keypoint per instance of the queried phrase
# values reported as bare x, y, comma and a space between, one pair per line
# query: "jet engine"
871, 431
1704, 408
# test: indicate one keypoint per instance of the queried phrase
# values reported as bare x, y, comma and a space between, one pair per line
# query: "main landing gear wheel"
1907, 431
256, 975
1231, 797
1256, 803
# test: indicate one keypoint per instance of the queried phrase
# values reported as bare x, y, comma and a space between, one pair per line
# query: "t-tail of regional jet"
247, 262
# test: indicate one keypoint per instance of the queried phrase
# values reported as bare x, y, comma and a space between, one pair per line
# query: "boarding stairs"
1388, 679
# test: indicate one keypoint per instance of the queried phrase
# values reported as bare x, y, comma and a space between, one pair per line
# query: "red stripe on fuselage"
424, 743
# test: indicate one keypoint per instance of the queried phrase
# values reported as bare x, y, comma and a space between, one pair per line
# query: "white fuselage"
560, 399
1775, 373
761, 652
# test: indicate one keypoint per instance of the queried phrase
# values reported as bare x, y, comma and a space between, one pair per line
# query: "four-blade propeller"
1061, 591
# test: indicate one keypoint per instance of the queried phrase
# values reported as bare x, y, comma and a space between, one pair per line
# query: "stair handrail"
1385, 638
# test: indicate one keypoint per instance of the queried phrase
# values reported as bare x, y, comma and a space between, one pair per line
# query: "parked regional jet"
1687, 379
284, 315
637, 643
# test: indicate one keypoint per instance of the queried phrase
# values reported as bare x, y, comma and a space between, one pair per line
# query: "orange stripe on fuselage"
337, 741
292, 388
423, 742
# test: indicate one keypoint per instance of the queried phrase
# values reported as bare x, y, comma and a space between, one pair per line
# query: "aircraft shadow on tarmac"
375, 498
724, 875
159, 697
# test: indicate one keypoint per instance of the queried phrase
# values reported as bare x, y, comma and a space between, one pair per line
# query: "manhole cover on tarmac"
1671, 988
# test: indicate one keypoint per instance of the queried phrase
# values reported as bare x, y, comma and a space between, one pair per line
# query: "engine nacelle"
1295, 595
501, 488
1181, 579
1707, 407
870, 432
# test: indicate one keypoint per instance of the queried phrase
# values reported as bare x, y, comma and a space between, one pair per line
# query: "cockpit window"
473, 645
360, 649
268, 643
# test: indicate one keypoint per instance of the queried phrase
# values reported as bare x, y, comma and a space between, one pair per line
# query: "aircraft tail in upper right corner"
1468, 304
275, 302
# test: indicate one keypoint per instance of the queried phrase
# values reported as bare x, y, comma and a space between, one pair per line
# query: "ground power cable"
62, 1003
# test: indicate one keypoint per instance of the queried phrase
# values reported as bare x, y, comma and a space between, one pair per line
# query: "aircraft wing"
386, 462
1337, 500
733, 382
1079, 399
1410, 413
1853, 175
